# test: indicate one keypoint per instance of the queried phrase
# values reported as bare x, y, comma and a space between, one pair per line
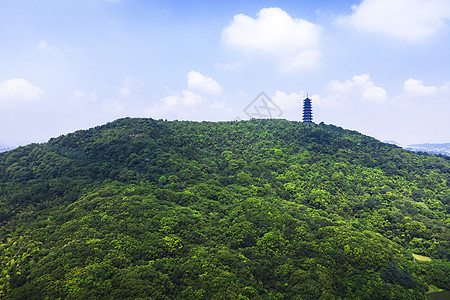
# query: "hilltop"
260, 209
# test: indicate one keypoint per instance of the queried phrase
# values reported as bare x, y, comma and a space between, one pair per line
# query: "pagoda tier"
307, 110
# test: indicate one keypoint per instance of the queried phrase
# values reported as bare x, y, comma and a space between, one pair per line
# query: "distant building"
307, 110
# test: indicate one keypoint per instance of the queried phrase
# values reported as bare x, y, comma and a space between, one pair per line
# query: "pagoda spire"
307, 110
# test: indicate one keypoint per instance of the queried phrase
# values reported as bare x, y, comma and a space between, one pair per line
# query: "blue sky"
376, 66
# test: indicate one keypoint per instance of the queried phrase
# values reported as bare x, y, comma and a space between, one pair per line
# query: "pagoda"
307, 110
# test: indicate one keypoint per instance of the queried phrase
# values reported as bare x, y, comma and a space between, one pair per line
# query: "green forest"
259, 209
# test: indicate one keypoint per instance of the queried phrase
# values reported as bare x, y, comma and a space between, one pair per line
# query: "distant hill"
6, 148
442, 149
260, 209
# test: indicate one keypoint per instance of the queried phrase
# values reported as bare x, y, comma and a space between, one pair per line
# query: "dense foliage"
261, 209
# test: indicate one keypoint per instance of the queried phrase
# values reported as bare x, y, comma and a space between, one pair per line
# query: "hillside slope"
261, 209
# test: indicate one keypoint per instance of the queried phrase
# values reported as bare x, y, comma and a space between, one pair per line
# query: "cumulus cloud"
293, 42
410, 20
170, 100
18, 90
199, 85
193, 102
416, 87
189, 98
370, 92
341, 87
203, 84
360, 86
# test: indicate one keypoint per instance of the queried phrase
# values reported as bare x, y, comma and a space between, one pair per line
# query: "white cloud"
293, 42
170, 100
201, 99
410, 20
340, 87
198, 86
370, 92
416, 126
359, 87
18, 90
203, 84
330, 101
190, 98
375, 94
415, 87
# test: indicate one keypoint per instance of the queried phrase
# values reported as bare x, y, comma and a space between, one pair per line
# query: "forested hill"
260, 209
